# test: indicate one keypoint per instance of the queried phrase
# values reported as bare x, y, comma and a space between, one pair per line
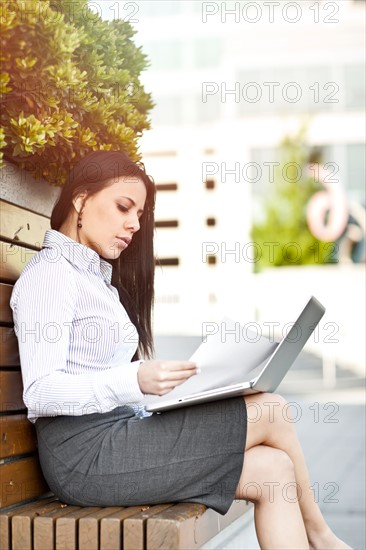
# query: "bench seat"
48, 524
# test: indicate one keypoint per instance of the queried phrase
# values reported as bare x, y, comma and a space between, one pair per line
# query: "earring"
79, 220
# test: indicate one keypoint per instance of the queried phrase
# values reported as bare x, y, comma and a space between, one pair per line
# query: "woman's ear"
79, 202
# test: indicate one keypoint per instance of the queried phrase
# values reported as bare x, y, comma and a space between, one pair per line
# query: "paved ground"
331, 427
332, 432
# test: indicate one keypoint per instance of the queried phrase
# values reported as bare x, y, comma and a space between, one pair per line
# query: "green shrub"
283, 236
69, 84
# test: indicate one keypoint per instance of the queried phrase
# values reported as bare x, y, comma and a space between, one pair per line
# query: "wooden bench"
30, 516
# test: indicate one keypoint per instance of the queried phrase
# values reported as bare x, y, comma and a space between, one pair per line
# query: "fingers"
178, 375
160, 377
178, 366
177, 372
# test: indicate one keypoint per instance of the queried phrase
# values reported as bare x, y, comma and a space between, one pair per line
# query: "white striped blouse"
75, 338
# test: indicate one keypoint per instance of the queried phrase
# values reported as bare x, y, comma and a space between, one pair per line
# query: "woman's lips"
123, 242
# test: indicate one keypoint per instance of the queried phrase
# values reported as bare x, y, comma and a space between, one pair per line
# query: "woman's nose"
133, 223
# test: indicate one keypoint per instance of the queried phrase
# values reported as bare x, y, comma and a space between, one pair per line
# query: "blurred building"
230, 80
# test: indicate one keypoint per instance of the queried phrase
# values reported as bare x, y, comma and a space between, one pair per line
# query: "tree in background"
69, 84
283, 237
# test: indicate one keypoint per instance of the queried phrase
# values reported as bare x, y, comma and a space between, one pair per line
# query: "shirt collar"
78, 254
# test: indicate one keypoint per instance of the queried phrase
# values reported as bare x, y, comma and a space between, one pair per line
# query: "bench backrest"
21, 235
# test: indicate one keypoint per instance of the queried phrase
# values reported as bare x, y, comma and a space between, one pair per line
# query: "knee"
280, 480
271, 464
268, 474
280, 467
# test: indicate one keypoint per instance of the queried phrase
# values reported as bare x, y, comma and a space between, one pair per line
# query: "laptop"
235, 362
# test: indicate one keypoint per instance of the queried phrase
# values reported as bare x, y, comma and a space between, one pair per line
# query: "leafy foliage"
283, 238
69, 84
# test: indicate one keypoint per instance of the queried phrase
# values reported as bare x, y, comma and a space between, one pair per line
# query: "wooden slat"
210, 523
189, 525
6, 517
174, 528
6, 315
134, 528
67, 528
21, 225
89, 528
11, 391
13, 259
44, 527
17, 435
5, 532
21, 480
111, 528
9, 353
22, 525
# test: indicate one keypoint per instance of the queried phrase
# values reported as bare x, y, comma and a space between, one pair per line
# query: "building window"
355, 87
166, 223
165, 55
211, 260
210, 184
356, 172
207, 52
209, 110
166, 187
287, 90
155, 8
162, 262
168, 111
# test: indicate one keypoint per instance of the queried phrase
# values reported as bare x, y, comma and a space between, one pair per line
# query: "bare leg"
268, 480
268, 424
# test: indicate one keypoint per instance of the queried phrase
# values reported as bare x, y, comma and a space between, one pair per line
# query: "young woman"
82, 313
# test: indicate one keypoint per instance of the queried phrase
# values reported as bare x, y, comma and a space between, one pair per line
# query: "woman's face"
110, 217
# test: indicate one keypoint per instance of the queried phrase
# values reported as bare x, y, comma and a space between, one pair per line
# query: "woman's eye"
122, 208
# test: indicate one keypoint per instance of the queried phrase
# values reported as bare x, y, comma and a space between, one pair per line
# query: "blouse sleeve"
43, 302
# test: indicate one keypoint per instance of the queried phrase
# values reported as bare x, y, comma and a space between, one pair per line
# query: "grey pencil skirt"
193, 454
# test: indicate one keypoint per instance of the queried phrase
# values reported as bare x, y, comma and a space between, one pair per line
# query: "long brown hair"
133, 271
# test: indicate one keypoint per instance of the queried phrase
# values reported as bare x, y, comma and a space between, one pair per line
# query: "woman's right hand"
160, 377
